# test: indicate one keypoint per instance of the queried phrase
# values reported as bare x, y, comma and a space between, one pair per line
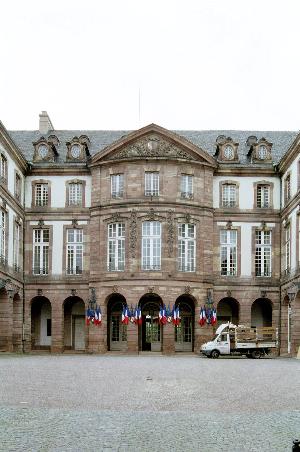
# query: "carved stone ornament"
228, 293
40, 292
10, 288
152, 216
152, 146
229, 225
263, 294
41, 223
151, 289
187, 217
115, 289
74, 223
133, 233
73, 292
171, 232
187, 289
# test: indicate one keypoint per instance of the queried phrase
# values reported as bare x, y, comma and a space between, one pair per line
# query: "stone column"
168, 347
57, 327
132, 337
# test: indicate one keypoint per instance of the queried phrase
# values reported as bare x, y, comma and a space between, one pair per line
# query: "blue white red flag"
213, 320
178, 319
99, 315
140, 320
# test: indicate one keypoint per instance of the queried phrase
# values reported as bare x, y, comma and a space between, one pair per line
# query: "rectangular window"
263, 253
117, 185
152, 184
40, 251
151, 245
3, 168
287, 248
74, 251
186, 186
287, 188
17, 247
186, 248
75, 194
18, 187
228, 195
116, 247
41, 195
263, 196
228, 241
48, 327
2, 236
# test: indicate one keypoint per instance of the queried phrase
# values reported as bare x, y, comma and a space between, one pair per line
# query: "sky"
122, 64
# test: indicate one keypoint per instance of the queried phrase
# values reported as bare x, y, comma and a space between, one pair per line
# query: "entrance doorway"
150, 332
116, 331
41, 323
184, 332
228, 311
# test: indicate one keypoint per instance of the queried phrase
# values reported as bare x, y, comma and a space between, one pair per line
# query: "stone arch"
228, 310
17, 326
185, 331
74, 324
4, 321
261, 313
41, 323
116, 331
150, 332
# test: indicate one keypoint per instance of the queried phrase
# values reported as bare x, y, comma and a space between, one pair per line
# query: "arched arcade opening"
116, 330
228, 311
261, 313
74, 324
184, 332
41, 323
151, 331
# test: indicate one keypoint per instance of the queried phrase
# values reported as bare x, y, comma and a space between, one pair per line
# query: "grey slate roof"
205, 139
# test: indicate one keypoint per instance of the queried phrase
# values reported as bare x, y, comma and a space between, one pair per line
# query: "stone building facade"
145, 219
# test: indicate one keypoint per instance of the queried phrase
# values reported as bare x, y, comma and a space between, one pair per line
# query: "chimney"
45, 123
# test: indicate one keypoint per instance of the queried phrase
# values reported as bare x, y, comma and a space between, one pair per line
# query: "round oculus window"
262, 152
75, 151
228, 152
43, 151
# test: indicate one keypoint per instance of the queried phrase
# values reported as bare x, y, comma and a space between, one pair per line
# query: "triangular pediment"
153, 142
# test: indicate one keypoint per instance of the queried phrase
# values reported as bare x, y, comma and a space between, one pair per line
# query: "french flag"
140, 320
99, 316
88, 316
213, 320
177, 316
164, 316
202, 316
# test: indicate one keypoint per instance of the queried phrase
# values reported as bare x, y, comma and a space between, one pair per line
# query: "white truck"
241, 340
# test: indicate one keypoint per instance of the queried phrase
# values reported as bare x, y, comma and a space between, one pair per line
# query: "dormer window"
259, 150
229, 152
78, 149
43, 150
262, 152
75, 151
226, 149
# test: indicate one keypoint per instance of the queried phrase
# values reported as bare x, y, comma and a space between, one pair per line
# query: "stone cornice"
12, 148
59, 171
246, 171
290, 155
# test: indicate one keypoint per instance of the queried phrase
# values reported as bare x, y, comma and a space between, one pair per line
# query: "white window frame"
287, 247
186, 247
75, 194
187, 186
3, 167
41, 240
263, 253
228, 252
151, 245
17, 235
116, 247
263, 196
117, 185
151, 183
2, 235
74, 252
41, 194
229, 195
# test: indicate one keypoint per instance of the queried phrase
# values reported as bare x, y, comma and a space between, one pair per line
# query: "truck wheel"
215, 354
256, 354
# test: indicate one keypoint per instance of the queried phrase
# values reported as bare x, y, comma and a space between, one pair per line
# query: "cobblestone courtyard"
143, 403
